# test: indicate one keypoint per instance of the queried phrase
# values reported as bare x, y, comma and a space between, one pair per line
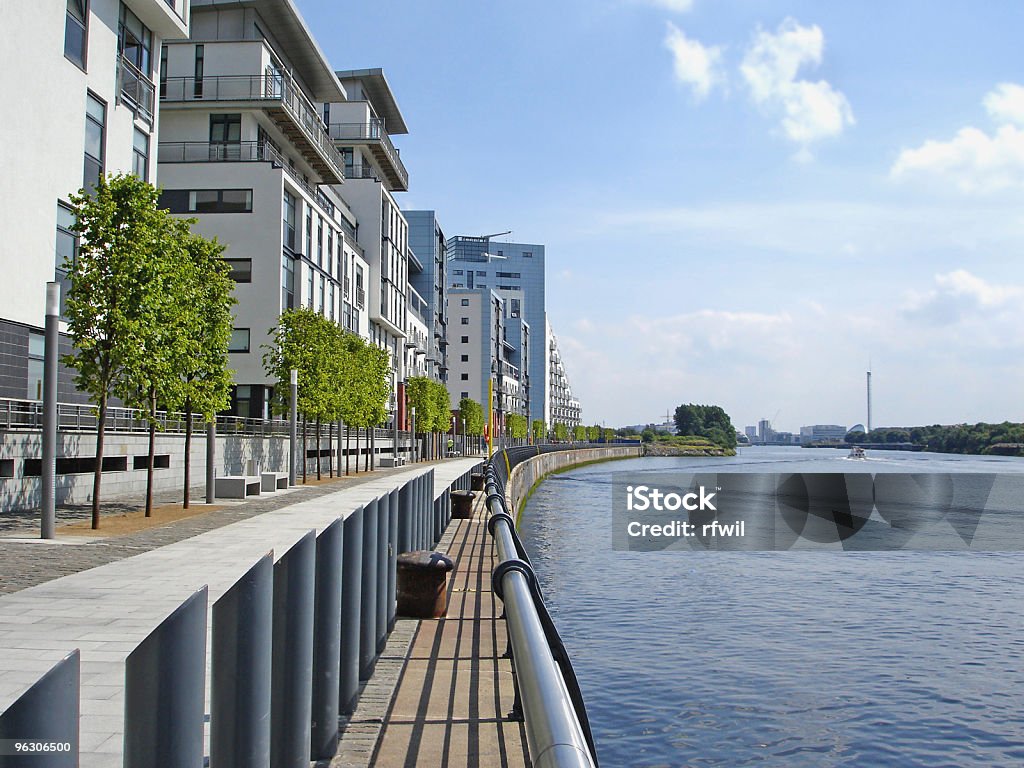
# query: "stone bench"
391, 461
237, 486
273, 481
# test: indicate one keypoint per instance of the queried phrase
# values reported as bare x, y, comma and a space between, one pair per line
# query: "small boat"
857, 453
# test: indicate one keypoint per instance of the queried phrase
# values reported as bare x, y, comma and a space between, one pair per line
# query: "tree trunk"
330, 449
152, 452
305, 450
366, 460
318, 449
101, 426
348, 444
188, 450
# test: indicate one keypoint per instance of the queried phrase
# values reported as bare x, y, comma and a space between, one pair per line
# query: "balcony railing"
237, 152
372, 130
137, 90
275, 89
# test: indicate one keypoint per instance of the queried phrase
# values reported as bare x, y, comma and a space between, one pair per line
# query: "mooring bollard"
241, 659
165, 691
476, 481
351, 606
423, 584
368, 605
462, 504
327, 640
47, 712
291, 691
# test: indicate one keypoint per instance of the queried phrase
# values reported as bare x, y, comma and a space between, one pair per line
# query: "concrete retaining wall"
528, 473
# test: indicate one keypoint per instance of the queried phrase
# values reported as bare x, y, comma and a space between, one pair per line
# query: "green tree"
709, 421
471, 411
580, 433
113, 292
540, 431
561, 431
517, 425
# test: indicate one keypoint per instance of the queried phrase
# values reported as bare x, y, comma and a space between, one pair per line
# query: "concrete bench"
237, 486
274, 481
391, 461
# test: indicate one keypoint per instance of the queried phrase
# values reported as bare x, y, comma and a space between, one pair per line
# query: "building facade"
428, 276
99, 63
560, 405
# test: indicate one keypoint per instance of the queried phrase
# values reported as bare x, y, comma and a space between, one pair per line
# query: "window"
239, 340
510, 287
527, 254
481, 273
36, 346
225, 137
465, 303
464, 395
330, 251
241, 270
332, 300
501, 253
465, 339
507, 274
289, 220
243, 400
163, 71
465, 321
465, 358
197, 83
135, 41
323, 294
140, 155
219, 201
309, 287
515, 307
67, 249
287, 281
95, 140
309, 233
320, 241
456, 271
464, 377
75, 28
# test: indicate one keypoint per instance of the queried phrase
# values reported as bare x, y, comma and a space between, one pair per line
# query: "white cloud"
1005, 104
695, 64
958, 296
676, 6
809, 111
974, 161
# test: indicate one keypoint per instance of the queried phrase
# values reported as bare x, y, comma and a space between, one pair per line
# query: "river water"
805, 658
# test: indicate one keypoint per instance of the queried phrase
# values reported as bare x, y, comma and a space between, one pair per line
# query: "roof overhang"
381, 96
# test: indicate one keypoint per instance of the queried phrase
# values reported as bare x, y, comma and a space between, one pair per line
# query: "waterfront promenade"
108, 610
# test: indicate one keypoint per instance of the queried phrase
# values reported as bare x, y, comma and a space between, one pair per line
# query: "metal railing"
372, 130
136, 90
548, 695
275, 88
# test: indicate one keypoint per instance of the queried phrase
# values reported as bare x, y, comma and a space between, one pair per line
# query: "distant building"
816, 433
859, 428
765, 433
751, 433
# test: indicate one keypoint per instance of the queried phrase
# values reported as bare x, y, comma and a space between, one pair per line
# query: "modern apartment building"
428, 276
561, 406
246, 152
360, 126
481, 351
515, 271
95, 65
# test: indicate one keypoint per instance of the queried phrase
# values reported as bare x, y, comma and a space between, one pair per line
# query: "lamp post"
293, 425
48, 472
415, 447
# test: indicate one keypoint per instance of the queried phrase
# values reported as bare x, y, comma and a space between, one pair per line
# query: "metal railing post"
368, 606
394, 509
405, 497
351, 610
292, 670
165, 691
240, 670
47, 712
327, 640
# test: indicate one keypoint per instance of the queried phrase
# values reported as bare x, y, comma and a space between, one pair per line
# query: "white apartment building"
561, 405
79, 81
245, 150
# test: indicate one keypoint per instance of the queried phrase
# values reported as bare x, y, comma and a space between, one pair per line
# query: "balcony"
135, 90
276, 95
238, 152
372, 135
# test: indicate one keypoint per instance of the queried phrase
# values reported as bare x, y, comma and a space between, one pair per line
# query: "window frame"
83, 25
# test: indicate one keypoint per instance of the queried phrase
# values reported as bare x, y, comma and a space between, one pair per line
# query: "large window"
36, 347
309, 232
320, 241
241, 270
135, 41
309, 286
67, 250
197, 82
95, 141
239, 341
289, 220
140, 155
75, 32
287, 282
219, 201
225, 136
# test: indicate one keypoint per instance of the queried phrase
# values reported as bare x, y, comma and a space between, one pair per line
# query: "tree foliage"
517, 425
579, 433
709, 421
540, 431
471, 411
981, 438
430, 399
561, 431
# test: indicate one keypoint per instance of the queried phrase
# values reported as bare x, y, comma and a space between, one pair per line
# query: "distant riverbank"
663, 449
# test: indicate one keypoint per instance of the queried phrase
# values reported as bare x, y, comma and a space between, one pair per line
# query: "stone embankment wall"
530, 472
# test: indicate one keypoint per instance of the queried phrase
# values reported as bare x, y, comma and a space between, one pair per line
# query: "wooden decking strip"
455, 691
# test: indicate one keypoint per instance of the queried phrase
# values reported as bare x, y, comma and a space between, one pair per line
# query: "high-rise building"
428, 265
97, 70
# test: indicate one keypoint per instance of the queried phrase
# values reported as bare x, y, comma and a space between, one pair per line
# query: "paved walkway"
26, 560
456, 689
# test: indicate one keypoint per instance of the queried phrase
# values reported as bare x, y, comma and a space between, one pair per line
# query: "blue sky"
742, 202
